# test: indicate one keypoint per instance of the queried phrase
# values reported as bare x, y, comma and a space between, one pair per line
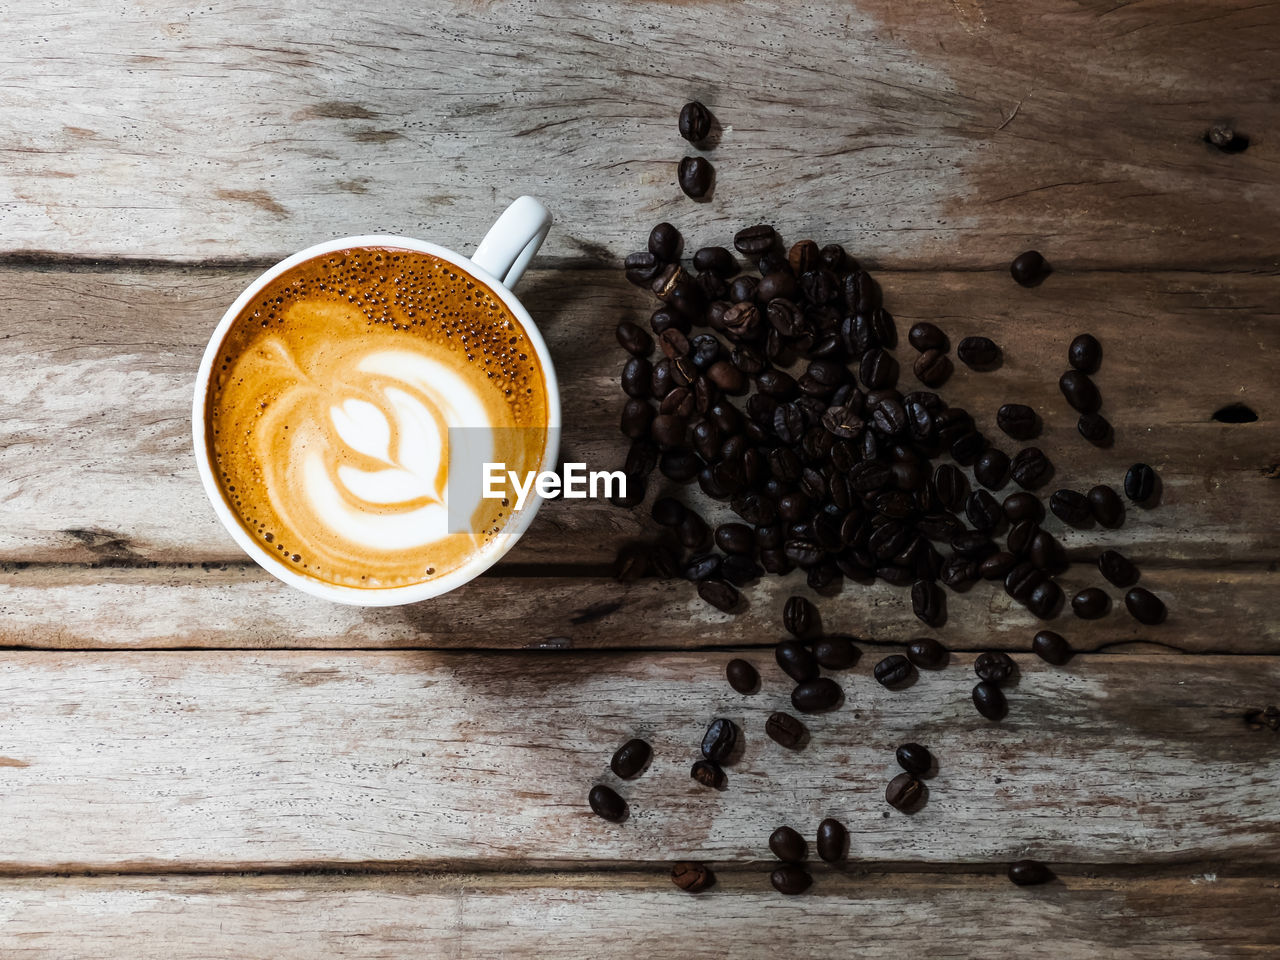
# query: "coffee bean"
1095, 428
816, 695
893, 670
1080, 391
719, 740
989, 701
693, 531
835, 653
1117, 568
636, 377
633, 339
1047, 553
708, 774
914, 759
787, 845
1026, 873
966, 448
1051, 647
719, 594
833, 840
924, 336
1071, 507
1085, 353
928, 603
784, 729
950, 485
642, 268
991, 469
1022, 580
958, 571
695, 122
978, 352
927, 653
800, 617
1145, 606
1018, 421
735, 538
741, 675
982, 511
1029, 268
630, 758
755, 241
665, 242
997, 566
796, 660
692, 877
1090, 603
1030, 468
790, 880
1106, 505
1020, 537
932, 368
903, 792
695, 175
1139, 483
1045, 600
716, 260
877, 369
1023, 506
606, 803
994, 667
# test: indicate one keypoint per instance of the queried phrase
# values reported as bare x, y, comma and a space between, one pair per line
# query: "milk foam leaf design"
412, 472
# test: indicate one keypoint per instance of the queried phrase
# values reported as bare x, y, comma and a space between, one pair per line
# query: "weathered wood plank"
949, 136
240, 606
95, 457
876, 915
139, 761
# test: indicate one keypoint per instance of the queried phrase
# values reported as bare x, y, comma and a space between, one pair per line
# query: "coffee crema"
330, 405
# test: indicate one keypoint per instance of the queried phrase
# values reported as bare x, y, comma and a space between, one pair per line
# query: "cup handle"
513, 240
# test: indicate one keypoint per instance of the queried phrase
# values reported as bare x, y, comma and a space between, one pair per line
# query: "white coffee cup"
498, 262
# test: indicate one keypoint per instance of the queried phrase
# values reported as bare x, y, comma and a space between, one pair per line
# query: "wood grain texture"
241, 606
878, 916
195, 761
922, 132
95, 458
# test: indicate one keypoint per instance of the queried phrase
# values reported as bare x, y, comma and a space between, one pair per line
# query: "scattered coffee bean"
1026, 873
1018, 421
1022, 580
692, 877
1095, 428
633, 339
800, 618
784, 729
630, 758
989, 701
1070, 507
719, 594
978, 352
927, 653
790, 879
1085, 353
1020, 537
695, 122
735, 538
796, 660
928, 603
924, 336
951, 486
788, 845
695, 175
642, 268
708, 774
1107, 507
893, 670
1023, 506
1029, 268
984, 513
1030, 468
914, 759
665, 242
1117, 568
903, 792
719, 740
835, 653
1047, 553
833, 840
992, 469
1080, 391
816, 695
1091, 603
1051, 647
606, 803
716, 260
997, 566
742, 676
994, 666
932, 368
1139, 483
1045, 600
755, 241
1145, 606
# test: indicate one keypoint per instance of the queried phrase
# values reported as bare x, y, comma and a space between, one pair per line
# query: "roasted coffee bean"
997, 566
1030, 468
835, 653
1047, 553
833, 840
637, 376
1022, 580
1026, 873
755, 241
893, 670
1045, 600
739, 569
1090, 603
1095, 428
989, 701
695, 122
1070, 507
1107, 507
784, 729
932, 368
994, 666
800, 617
715, 260
735, 538
642, 457
927, 653
968, 447
790, 880
1023, 506
606, 803
1085, 353
674, 343
633, 339
819, 286
1117, 568
978, 352
815, 695
803, 257
741, 675
924, 336
1051, 647
877, 369
668, 430
642, 268
903, 792
842, 422
950, 485
982, 511
992, 469
928, 603
708, 774
1140, 483
719, 740
1020, 537
787, 845
958, 571
778, 285
679, 402
668, 512
1144, 606
1029, 268
1080, 391
630, 758
914, 759
796, 660
703, 567
695, 175
693, 532
719, 594
692, 877
665, 242
1018, 421
889, 418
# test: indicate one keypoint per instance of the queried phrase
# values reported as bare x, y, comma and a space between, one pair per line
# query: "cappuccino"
329, 413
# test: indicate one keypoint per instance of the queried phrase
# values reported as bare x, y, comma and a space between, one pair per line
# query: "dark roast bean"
967, 447
784, 729
693, 532
800, 617
719, 594
893, 670
1145, 606
719, 740
1070, 507
695, 122
787, 845
989, 701
1107, 507
1117, 568
755, 241
739, 569
735, 538
1026, 873
665, 242
630, 758
642, 268
1022, 580
1023, 506
1030, 468
924, 336
903, 792
715, 260
1095, 428
741, 675
833, 840
877, 369
1018, 421
928, 603
958, 571
992, 469
914, 758
1139, 483
982, 511
636, 377
950, 485
633, 339
997, 566
692, 877
668, 430
978, 352
1045, 600
835, 653
1090, 603
1020, 537
606, 803
796, 660
1051, 647
1047, 553
778, 285
932, 368
803, 257
1085, 353
790, 880
994, 666
708, 774
816, 695
695, 175
1029, 268
1080, 391
927, 653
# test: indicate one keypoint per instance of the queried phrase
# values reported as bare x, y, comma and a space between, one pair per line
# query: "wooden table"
196, 761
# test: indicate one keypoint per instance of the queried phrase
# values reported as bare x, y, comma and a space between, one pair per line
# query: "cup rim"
373, 596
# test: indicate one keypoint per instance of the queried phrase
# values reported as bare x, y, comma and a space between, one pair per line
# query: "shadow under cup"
369, 413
